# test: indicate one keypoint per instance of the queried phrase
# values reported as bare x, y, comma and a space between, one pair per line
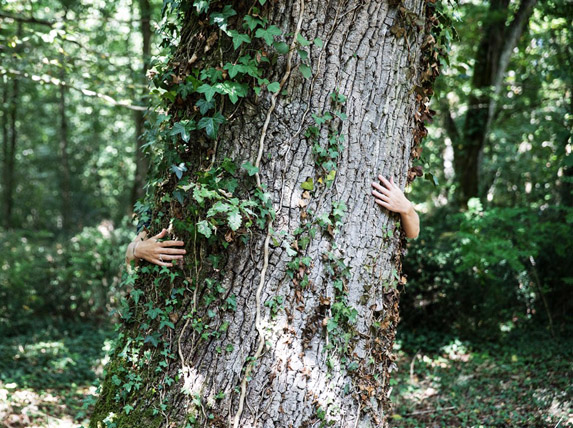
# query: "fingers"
171, 243
159, 235
173, 251
164, 257
380, 195
381, 188
383, 204
392, 182
385, 182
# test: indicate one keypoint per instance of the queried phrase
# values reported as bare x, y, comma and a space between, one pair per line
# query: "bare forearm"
131, 251
410, 222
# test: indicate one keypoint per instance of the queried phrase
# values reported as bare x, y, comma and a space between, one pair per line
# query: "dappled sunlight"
40, 408
46, 375
464, 384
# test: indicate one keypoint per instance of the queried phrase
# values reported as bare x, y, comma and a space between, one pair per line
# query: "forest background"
485, 335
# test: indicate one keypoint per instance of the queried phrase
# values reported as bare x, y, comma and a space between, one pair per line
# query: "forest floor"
46, 374
522, 380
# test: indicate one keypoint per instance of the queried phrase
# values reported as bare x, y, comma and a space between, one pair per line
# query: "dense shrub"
46, 277
482, 272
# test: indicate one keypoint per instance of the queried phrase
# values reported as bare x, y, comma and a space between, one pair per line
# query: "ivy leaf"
182, 128
228, 165
204, 228
202, 193
308, 184
213, 74
303, 54
179, 170
239, 38
201, 6
252, 22
274, 87
302, 40
231, 302
136, 294
234, 69
153, 312
220, 18
250, 168
281, 47
204, 105
152, 339
167, 323
179, 195
331, 324
219, 207
305, 70
268, 33
208, 90
318, 42
233, 89
211, 124
234, 219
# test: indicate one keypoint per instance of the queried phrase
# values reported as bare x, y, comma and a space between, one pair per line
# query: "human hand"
391, 197
159, 253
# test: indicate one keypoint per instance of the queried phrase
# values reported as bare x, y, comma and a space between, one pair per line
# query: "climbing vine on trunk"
283, 312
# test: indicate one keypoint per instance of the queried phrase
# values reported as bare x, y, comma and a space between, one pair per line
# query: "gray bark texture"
296, 380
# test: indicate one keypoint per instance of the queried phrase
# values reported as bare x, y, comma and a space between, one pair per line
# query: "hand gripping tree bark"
275, 118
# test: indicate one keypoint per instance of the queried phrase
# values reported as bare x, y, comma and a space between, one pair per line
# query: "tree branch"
511, 38
29, 20
86, 92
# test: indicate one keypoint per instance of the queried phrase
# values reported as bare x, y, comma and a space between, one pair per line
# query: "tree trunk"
492, 58
141, 161
288, 322
10, 137
65, 175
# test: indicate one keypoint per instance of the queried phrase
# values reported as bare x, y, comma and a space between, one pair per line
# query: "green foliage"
482, 272
46, 277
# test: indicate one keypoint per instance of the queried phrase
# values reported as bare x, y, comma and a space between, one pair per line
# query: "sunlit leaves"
239, 38
183, 128
205, 228
220, 18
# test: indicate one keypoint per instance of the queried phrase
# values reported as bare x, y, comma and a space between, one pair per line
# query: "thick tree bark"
492, 58
304, 373
141, 161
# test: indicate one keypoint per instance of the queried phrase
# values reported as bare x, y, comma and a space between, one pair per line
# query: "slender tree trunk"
10, 137
141, 161
65, 175
291, 324
492, 58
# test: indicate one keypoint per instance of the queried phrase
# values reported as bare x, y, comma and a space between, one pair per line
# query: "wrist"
409, 209
134, 248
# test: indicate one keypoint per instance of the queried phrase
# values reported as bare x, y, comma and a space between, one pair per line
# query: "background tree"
499, 37
275, 120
